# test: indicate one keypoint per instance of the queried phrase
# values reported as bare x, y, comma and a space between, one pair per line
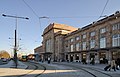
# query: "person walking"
112, 65
108, 66
48, 60
117, 63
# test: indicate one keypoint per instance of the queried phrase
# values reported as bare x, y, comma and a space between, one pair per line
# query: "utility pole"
15, 47
44, 56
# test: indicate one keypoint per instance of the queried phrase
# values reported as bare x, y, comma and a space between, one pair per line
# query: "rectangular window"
116, 40
77, 46
103, 42
71, 40
116, 26
77, 38
84, 36
48, 45
92, 34
84, 46
92, 44
103, 30
71, 48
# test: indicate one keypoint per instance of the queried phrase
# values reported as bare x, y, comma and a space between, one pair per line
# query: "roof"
59, 27
96, 23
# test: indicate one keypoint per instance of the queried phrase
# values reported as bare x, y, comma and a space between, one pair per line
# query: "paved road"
78, 70
97, 69
63, 71
57, 70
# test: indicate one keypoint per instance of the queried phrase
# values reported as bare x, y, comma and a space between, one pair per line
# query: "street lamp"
15, 47
43, 17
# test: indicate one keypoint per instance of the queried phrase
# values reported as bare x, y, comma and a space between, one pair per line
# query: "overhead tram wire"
101, 15
30, 9
46, 17
62, 17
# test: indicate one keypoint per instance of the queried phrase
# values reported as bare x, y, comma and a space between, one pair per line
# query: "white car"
4, 60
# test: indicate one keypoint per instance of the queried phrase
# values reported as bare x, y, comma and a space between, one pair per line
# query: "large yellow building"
99, 40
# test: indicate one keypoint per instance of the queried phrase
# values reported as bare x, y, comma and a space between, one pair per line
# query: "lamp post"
44, 56
15, 47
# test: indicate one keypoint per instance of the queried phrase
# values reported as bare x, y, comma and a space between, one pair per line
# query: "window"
84, 46
71, 48
103, 30
48, 45
102, 42
92, 43
92, 34
116, 26
84, 36
71, 40
77, 46
116, 40
77, 38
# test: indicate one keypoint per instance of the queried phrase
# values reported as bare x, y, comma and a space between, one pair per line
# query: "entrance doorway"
103, 59
115, 54
84, 57
71, 58
76, 57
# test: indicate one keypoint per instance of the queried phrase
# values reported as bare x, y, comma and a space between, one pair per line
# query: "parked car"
4, 60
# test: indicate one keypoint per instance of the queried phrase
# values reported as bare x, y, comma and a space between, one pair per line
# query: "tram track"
35, 66
91, 71
98, 71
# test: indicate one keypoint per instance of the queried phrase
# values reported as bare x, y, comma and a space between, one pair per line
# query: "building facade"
53, 40
99, 41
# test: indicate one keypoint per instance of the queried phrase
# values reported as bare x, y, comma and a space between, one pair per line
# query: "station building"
99, 40
53, 37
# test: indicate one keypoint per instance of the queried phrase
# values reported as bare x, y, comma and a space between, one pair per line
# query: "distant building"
99, 40
38, 52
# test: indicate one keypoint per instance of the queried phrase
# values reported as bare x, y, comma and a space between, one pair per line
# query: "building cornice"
101, 21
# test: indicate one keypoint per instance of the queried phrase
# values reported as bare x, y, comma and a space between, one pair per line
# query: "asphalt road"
35, 69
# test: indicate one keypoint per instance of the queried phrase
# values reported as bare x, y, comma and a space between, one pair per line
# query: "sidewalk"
99, 67
11, 64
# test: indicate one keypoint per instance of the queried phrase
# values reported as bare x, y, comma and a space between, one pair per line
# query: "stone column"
69, 57
74, 57
80, 59
87, 57
107, 55
110, 55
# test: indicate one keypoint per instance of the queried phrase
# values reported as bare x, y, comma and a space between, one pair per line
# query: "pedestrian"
84, 61
113, 65
117, 63
48, 60
108, 66
92, 61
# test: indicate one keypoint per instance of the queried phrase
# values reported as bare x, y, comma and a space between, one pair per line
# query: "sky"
76, 13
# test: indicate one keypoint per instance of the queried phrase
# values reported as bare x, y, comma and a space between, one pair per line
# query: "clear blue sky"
83, 12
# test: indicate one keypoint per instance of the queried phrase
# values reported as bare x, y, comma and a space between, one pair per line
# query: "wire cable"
31, 9
103, 9
75, 17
